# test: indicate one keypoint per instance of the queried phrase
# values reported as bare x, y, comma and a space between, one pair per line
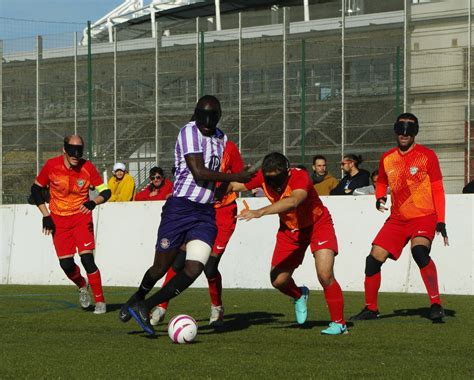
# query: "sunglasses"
156, 177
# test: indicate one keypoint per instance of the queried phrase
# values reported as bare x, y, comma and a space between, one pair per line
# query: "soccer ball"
182, 329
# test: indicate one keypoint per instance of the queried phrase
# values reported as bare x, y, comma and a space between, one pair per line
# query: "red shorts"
291, 245
73, 232
225, 221
395, 233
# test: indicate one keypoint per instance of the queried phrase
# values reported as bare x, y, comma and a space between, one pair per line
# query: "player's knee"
193, 268
421, 255
372, 266
197, 250
178, 263
88, 263
67, 265
210, 269
325, 279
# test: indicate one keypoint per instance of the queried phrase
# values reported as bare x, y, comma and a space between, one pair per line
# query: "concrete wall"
126, 233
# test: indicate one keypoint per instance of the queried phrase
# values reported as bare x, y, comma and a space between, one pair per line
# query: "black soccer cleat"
141, 314
365, 314
124, 314
436, 312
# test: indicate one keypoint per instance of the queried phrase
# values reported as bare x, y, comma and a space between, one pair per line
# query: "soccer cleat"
141, 314
124, 314
100, 308
365, 314
335, 329
84, 297
436, 312
158, 315
301, 309
217, 316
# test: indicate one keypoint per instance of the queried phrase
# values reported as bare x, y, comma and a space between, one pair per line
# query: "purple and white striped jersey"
191, 140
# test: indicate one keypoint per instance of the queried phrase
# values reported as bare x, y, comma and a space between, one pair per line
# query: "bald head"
74, 146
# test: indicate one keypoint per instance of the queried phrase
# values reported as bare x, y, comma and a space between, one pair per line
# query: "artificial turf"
45, 334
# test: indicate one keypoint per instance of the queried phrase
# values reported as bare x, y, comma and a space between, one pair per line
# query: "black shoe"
436, 312
124, 315
365, 314
141, 314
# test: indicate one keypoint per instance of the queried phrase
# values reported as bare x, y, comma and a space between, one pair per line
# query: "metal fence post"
469, 93
75, 83
201, 65
343, 77
286, 26
39, 55
240, 81
397, 84
197, 58
1, 122
89, 91
115, 94
157, 90
303, 100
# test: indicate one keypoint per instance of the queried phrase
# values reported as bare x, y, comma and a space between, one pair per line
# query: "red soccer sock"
291, 289
75, 276
430, 278
335, 301
169, 275
95, 283
372, 286
215, 289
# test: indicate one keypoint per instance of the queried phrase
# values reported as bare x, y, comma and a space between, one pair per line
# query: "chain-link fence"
330, 85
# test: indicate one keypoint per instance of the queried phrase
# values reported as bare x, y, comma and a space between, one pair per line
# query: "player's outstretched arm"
286, 204
195, 163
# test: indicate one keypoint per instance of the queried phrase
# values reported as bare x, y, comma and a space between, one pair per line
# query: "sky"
27, 18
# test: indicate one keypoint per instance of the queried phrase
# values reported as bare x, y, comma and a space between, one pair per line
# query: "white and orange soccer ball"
182, 329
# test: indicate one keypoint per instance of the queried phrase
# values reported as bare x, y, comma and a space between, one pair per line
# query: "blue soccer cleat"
301, 309
141, 314
335, 329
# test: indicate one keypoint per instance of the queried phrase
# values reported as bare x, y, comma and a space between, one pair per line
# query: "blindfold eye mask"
74, 150
276, 182
208, 118
406, 127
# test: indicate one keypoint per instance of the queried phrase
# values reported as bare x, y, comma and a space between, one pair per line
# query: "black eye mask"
276, 182
74, 150
406, 128
207, 118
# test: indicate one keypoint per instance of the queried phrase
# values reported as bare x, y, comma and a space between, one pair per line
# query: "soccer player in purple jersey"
188, 216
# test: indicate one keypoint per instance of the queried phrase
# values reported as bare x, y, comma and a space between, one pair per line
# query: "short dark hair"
156, 170
275, 161
319, 157
356, 159
374, 173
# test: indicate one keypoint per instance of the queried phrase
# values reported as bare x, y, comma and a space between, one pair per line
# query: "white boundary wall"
126, 234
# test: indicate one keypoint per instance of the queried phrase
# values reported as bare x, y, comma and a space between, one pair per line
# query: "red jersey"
415, 181
69, 187
307, 213
163, 192
231, 163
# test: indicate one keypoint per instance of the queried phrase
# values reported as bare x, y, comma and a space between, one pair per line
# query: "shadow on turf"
422, 312
241, 321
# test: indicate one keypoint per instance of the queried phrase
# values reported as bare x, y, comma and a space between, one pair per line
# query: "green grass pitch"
45, 334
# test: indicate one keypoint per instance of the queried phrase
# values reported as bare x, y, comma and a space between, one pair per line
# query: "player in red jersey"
304, 221
226, 212
418, 211
69, 218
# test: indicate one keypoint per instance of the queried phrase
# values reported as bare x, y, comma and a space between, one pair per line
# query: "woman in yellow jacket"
121, 184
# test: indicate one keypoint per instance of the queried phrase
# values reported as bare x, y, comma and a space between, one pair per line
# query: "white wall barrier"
126, 234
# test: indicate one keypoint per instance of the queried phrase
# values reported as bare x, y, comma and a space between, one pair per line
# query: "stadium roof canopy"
132, 13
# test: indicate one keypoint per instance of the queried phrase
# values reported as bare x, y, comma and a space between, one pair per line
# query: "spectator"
159, 188
354, 177
368, 190
469, 188
323, 181
121, 184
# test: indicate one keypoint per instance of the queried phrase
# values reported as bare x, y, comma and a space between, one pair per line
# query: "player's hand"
48, 225
247, 214
380, 204
441, 229
244, 176
88, 206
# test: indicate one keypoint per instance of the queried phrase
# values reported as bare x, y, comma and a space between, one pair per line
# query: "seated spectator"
368, 190
323, 181
469, 188
121, 184
354, 178
159, 188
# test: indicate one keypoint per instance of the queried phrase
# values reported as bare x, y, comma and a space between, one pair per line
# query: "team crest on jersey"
413, 170
80, 182
164, 243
